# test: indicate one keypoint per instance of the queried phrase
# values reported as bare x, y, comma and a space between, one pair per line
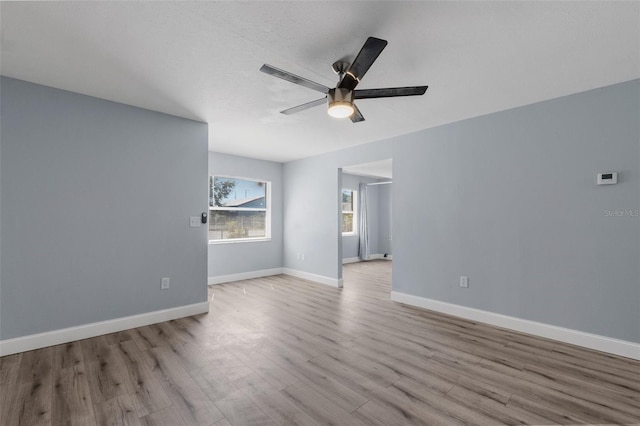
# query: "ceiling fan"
340, 100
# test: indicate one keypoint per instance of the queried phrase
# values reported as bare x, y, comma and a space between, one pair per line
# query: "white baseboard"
379, 256
321, 279
567, 335
371, 257
65, 335
333, 282
243, 276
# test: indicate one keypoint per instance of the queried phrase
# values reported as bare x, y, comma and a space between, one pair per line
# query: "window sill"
238, 240
349, 234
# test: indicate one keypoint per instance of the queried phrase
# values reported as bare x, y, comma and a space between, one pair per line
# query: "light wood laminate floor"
282, 351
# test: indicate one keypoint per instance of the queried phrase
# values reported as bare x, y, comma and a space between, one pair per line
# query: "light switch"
194, 221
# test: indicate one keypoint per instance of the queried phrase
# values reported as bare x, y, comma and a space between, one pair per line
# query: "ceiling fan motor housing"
340, 102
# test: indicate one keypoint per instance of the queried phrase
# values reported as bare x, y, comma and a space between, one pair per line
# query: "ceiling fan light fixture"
340, 109
340, 103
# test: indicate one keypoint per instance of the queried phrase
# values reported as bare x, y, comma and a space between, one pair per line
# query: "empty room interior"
319, 213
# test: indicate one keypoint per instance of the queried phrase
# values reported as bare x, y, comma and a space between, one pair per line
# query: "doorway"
366, 203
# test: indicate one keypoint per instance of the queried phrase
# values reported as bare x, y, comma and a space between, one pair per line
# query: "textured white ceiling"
200, 60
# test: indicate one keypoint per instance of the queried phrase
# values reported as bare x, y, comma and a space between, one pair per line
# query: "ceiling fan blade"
390, 92
302, 107
356, 117
361, 64
286, 75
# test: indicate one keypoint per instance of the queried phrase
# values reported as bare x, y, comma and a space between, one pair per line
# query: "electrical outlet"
164, 283
303, 257
194, 221
464, 281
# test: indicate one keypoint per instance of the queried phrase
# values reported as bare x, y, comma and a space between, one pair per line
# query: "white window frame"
354, 198
267, 209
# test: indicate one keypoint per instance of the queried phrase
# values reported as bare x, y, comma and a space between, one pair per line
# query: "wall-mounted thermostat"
607, 178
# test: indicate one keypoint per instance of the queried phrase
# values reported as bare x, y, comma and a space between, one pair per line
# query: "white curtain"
363, 225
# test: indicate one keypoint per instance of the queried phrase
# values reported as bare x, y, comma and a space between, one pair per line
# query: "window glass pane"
347, 222
237, 193
236, 224
347, 200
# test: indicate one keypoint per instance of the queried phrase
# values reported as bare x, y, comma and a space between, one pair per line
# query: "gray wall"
234, 258
508, 199
350, 243
312, 215
96, 199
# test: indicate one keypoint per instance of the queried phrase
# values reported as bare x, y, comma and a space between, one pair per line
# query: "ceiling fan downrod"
340, 68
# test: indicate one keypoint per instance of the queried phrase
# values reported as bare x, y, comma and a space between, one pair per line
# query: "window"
349, 202
239, 209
